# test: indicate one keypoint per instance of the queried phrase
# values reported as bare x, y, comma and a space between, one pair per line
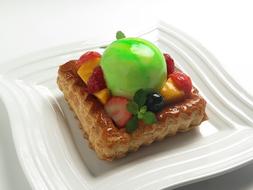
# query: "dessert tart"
131, 95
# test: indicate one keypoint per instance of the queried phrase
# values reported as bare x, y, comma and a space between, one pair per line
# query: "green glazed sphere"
130, 64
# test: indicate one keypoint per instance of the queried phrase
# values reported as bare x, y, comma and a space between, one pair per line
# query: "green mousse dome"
130, 64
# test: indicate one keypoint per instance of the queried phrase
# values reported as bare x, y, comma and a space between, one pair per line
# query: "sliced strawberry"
89, 55
170, 63
182, 81
116, 108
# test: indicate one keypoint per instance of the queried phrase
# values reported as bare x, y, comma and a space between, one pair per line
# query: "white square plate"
54, 155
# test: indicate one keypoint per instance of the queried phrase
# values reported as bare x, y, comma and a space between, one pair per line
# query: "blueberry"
155, 102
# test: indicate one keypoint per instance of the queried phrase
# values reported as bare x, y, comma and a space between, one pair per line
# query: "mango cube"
103, 95
86, 69
171, 93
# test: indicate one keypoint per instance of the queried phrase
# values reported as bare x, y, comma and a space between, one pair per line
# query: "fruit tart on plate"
129, 96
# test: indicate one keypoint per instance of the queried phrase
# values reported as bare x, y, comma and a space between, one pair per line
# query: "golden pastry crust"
105, 138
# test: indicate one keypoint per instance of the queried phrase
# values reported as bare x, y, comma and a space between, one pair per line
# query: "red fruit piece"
170, 63
89, 55
182, 81
96, 81
116, 108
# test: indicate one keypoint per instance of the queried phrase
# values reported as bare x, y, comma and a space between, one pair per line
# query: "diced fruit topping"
103, 95
171, 93
96, 81
170, 63
135, 77
88, 56
154, 102
116, 108
86, 69
182, 81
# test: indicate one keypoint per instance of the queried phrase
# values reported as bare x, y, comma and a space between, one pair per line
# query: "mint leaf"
143, 109
132, 107
149, 118
140, 97
132, 124
120, 35
141, 112
140, 115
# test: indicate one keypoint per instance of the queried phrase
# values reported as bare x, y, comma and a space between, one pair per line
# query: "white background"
225, 28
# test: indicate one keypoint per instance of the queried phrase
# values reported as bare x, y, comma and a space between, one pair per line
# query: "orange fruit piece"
103, 95
171, 93
86, 69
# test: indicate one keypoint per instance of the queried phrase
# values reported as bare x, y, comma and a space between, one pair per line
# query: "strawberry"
89, 55
182, 81
116, 108
170, 63
96, 81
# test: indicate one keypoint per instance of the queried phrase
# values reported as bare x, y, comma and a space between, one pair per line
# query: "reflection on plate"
54, 154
